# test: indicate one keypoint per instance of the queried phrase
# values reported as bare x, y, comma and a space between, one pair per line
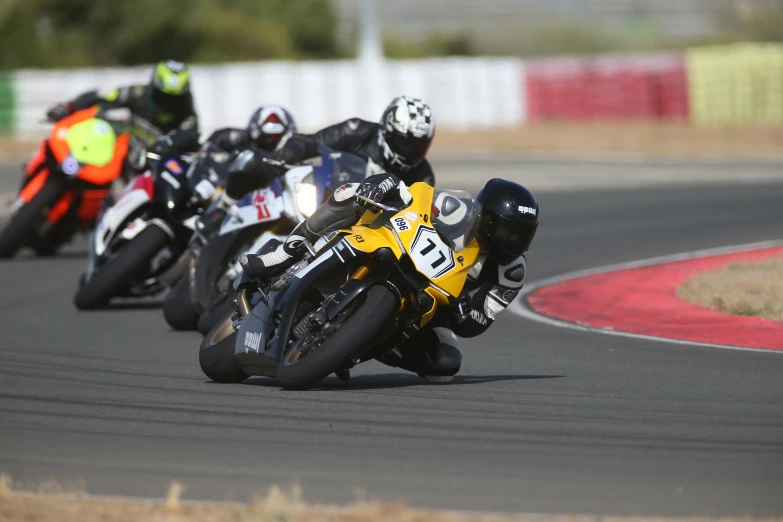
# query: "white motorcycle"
135, 248
199, 298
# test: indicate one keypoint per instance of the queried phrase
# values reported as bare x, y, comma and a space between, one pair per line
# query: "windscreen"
455, 216
210, 164
347, 168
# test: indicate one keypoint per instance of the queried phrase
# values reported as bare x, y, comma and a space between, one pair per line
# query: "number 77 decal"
431, 255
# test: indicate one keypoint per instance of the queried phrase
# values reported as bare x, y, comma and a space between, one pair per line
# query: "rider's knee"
445, 360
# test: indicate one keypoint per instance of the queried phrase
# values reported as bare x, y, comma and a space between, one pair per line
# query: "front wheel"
178, 308
215, 313
118, 271
23, 223
321, 353
216, 355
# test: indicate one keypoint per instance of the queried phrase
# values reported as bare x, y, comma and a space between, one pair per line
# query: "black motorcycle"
135, 248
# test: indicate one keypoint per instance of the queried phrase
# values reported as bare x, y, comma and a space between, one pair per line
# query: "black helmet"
509, 219
269, 124
171, 86
407, 128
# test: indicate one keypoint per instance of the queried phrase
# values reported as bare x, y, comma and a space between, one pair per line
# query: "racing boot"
437, 362
276, 257
340, 210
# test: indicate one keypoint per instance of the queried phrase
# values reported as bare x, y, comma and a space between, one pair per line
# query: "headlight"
307, 199
70, 166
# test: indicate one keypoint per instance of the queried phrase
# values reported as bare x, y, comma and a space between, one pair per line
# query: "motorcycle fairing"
138, 194
410, 231
281, 307
258, 206
92, 142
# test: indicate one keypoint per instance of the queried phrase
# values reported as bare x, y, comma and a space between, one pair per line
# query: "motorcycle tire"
22, 224
216, 355
131, 259
358, 329
58, 236
215, 313
178, 308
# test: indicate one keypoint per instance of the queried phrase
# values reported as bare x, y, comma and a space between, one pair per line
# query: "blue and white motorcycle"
199, 298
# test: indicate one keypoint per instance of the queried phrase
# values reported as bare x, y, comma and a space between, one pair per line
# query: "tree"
66, 33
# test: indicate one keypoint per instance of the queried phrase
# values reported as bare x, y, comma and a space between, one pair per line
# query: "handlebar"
154, 156
387, 208
278, 163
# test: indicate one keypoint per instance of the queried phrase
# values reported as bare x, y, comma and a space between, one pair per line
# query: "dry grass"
653, 139
743, 288
276, 506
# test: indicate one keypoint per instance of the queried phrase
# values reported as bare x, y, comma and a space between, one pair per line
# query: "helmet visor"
170, 103
511, 236
411, 150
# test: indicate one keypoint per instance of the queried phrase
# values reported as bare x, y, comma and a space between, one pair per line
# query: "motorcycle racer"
163, 105
398, 145
268, 125
509, 216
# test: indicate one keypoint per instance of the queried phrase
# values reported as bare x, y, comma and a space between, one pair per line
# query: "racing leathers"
356, 136
181, 141
433, 352
149, 120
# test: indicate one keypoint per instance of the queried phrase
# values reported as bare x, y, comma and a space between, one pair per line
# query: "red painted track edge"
523, 307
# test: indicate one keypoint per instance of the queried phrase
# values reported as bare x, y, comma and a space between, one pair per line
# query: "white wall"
464, 92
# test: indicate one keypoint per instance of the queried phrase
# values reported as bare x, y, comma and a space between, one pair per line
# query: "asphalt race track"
540, 419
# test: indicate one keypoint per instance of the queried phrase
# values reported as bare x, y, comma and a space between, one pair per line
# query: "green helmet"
172, 78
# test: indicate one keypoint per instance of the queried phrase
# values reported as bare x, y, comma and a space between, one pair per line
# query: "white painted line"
522, 308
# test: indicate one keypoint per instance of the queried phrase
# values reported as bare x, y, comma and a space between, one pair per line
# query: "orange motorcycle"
66, 180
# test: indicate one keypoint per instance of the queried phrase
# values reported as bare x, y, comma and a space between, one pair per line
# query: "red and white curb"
523, 308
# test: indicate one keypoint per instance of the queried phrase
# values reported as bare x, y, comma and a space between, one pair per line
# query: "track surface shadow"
398, 380
123, 306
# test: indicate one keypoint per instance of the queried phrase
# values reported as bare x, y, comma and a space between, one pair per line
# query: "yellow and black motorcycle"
361, 292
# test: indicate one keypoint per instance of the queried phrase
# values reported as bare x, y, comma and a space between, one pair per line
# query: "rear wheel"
118, 271
28, 218
216, 355
178, 308
323, 352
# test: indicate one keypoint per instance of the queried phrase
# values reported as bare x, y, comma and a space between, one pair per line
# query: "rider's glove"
377, 188
162, 146
463, 308
60, 111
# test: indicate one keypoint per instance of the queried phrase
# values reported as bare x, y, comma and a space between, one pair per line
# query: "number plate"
400, 224
431, 256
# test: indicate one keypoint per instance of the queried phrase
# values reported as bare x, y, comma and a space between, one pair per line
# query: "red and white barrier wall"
607, 88
725, 85
465, 93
